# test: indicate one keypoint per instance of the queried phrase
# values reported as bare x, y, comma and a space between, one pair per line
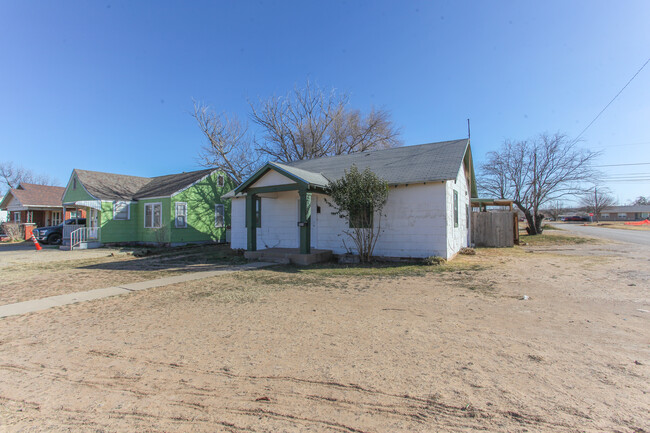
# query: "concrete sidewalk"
73, 298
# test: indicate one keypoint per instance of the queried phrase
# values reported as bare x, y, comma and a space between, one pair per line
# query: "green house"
175, 209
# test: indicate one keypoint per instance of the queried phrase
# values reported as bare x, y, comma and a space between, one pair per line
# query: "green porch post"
251, 223
305, 218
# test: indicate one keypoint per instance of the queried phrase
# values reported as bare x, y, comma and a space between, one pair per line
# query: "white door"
93, 223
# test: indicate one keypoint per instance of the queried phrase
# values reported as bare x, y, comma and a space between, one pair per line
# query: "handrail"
83, 234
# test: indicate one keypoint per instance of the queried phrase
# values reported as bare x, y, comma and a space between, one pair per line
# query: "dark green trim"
274, 188
305, 220
251, 224
262, 171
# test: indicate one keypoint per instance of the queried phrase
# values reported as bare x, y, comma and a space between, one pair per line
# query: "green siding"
72, 195
118, 230
201, 199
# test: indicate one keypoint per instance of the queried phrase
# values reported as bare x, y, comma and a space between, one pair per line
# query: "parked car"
574, 218
54, 234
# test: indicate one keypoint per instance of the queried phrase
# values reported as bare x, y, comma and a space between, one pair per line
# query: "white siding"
418, 222
272, 178
457, 237
413, 225
238, 223
279, 228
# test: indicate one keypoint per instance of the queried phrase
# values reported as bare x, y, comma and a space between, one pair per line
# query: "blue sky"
108, 86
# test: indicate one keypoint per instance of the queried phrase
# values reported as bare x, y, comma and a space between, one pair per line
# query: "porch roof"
303, 178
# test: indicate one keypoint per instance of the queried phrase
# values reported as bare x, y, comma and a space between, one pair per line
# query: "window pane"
219, 215
157, 216
147, 215
181, 215
121, 211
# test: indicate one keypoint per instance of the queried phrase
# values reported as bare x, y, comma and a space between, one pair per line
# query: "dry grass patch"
26, 281
555, 239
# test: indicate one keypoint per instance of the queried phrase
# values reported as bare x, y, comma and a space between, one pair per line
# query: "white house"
426, 214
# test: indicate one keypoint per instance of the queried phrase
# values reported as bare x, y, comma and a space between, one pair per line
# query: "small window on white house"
121, 210
455, 208
153, 215
219, 215
181, 215
221, 180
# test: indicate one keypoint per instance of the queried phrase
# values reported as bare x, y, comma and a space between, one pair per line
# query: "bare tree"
535, 172
641, 200
310, 123
12, 176
596, 201
306, 123
555, 209
229, 147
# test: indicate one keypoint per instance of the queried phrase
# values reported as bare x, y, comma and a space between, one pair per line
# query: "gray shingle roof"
308, 176
110, 186
400, 165
630, 208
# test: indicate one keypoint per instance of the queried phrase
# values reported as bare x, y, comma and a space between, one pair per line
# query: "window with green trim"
455, 208
361, 218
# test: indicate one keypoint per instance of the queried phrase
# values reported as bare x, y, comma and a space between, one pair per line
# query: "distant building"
625, 213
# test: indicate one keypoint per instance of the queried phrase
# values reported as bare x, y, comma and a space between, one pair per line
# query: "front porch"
289, 256
80, 236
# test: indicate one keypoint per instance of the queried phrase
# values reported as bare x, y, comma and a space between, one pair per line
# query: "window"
622, 216
17, 217
219, 215
181, 215
361, 218
74, 183
56, 218
221, 181
455, 208
29, 217
258, 213
121, 210
604, 215
153, 215
466, 216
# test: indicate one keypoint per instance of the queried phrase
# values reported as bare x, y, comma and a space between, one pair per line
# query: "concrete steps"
289, 256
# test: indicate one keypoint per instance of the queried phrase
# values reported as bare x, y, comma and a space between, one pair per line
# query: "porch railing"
84, 234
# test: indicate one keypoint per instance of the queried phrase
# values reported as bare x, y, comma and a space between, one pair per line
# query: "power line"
621, 165
610, 102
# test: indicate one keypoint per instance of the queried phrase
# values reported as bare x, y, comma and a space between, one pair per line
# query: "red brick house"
34, 206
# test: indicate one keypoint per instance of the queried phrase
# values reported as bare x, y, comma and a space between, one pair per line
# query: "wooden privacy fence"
495, 229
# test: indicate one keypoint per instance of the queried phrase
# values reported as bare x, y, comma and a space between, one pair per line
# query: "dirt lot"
407, 348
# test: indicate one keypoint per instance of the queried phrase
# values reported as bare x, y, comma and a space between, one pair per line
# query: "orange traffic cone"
36, 244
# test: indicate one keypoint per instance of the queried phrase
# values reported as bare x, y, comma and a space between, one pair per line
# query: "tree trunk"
534, 223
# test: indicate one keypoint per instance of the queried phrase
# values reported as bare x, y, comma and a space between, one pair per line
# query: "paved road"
630, 236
